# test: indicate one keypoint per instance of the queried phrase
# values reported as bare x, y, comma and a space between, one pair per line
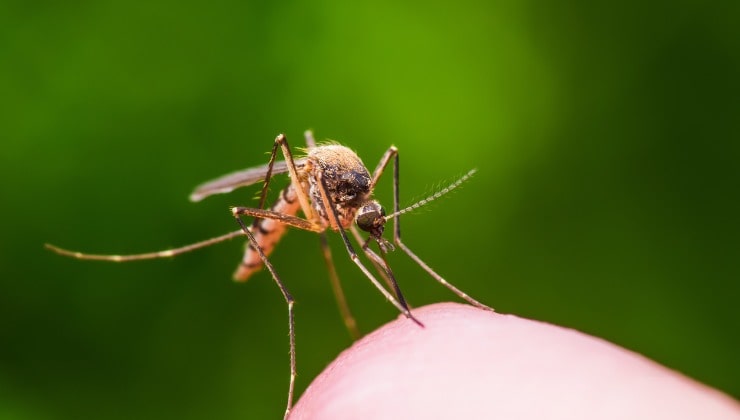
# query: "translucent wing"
243, 178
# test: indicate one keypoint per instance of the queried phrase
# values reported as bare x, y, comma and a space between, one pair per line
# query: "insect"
333, 189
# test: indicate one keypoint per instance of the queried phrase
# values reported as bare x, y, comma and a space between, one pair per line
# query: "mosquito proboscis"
333, 190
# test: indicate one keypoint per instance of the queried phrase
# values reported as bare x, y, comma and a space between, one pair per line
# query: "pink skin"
473, 364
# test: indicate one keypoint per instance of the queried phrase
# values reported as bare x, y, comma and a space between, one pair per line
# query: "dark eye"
366, 221
370, 218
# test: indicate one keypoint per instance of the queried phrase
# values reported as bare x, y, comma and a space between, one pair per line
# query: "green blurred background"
606, 138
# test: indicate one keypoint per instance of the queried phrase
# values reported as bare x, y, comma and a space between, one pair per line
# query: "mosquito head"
371, 218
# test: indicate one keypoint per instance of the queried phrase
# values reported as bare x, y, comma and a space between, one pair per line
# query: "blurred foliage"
605, 134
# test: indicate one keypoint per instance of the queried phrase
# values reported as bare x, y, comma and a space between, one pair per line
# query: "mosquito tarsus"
333, 189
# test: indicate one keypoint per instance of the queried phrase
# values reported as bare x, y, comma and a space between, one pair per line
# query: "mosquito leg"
269, 227
288, 299
146, 256
282, 141
364, 242
379, 261
336, 286
422, 264
387, 156
332, 211
287, 219
268, 175
464, 296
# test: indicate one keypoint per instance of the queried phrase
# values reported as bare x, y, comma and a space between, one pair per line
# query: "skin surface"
473, 364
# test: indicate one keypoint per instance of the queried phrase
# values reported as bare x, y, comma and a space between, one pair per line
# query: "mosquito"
332, 188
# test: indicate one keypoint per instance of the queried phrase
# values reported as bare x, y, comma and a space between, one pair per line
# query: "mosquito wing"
243, 178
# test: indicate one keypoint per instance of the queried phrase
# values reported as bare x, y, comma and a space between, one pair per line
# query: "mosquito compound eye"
366, 220
370, 218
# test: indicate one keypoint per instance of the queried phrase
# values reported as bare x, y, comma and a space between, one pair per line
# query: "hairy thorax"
345, 176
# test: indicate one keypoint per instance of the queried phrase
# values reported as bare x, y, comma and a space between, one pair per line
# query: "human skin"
469, 363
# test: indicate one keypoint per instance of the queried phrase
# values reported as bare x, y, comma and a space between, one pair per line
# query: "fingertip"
471, 363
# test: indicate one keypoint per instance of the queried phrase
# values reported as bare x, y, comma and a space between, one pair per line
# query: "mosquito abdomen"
267, 233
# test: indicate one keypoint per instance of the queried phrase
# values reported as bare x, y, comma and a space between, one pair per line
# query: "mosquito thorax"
371, 218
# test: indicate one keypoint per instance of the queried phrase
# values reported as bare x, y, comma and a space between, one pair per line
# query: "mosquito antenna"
147, 256
434, 196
